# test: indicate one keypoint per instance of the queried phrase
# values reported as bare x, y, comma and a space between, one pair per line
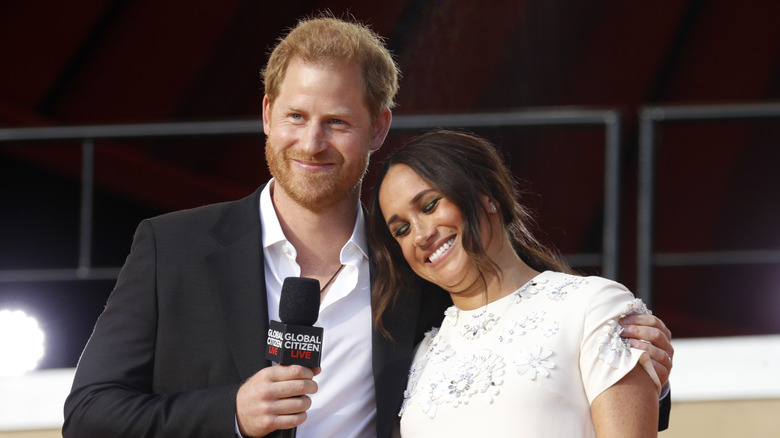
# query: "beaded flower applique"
529, 289
479, 324
535, 362
476, 375
612, 347
439, 350
520, 326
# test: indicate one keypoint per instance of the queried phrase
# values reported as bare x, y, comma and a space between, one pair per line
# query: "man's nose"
313, 141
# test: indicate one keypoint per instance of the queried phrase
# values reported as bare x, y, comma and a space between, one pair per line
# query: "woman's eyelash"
400, 231
427, 208
431, 205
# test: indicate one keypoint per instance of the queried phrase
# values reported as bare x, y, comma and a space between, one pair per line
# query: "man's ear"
266, 115
380, 130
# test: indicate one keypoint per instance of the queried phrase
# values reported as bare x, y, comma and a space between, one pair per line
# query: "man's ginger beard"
315, 191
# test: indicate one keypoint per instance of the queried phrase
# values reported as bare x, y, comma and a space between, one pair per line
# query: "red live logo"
293, 353
301, 354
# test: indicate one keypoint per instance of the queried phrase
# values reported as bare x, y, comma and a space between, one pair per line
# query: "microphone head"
300, 301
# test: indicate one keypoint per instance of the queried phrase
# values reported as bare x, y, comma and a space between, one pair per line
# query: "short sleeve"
605, 357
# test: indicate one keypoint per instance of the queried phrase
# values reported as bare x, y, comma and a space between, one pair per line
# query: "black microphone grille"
300, 301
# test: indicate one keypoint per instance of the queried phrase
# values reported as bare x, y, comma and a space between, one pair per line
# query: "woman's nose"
423, 235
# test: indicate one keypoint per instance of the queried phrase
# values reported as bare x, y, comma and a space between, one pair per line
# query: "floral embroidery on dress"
451, 315
414, 375
438, 349
636, 307
480, 323
491, 377
535, 362
530, 288
509, 330
479, 374
461, 387
535, 319
430, 335
551, 329
455, 388
428, 404
558, 292
520, 326
613, 347
430, 341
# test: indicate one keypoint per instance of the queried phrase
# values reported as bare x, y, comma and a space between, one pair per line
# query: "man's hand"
647, 332
275, 398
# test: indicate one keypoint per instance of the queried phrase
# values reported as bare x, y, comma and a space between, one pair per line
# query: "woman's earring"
493, 207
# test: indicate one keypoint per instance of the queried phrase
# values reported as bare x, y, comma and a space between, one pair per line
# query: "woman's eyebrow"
413, 201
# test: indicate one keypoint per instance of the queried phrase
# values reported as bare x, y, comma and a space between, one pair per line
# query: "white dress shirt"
344, 405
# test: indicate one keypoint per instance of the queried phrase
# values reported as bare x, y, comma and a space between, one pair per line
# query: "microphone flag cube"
292, 344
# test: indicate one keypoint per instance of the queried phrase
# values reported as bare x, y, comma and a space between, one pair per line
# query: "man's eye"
400, 231
430, 206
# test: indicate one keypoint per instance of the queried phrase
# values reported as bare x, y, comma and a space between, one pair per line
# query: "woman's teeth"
441, 250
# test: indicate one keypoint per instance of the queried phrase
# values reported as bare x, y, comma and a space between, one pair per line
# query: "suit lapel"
240, 293
391, 359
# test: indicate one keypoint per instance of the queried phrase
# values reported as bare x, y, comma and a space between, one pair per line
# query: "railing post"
87, 195
611, 239
646, 205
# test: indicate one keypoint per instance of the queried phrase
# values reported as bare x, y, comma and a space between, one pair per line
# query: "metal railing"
647, 259
610, 119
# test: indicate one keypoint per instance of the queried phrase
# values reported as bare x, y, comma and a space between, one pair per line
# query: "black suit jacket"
186, 324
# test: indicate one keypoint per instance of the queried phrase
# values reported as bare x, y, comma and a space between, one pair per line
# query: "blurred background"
714, 234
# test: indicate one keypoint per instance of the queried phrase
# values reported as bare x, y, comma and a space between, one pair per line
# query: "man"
179, 349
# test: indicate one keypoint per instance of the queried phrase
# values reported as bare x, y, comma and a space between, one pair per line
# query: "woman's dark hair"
462, 167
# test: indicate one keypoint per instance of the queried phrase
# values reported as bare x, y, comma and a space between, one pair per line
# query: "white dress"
527, 365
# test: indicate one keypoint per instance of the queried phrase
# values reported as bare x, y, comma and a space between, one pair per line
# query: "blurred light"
21, 343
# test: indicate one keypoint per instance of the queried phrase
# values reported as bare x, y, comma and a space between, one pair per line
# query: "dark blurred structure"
144, 61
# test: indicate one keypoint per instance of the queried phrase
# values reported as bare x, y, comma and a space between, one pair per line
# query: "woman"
528, 349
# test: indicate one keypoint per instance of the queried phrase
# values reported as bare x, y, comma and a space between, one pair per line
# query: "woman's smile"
442, 249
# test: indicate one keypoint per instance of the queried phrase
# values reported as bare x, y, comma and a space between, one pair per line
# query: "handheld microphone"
294, 341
